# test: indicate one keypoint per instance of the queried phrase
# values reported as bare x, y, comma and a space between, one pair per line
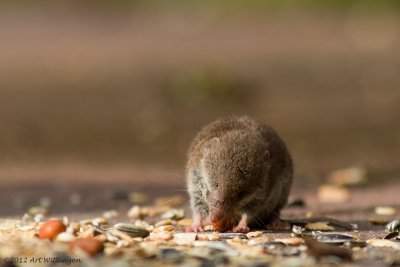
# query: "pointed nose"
222, 219
217, 214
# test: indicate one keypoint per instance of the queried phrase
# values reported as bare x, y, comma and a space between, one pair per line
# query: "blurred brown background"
108, 92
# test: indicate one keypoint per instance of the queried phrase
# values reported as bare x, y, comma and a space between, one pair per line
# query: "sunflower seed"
233, 235
132, 230
393, 226
173, 214
333, 237
391, 235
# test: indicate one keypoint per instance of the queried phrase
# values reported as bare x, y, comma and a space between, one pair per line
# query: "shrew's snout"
222, 217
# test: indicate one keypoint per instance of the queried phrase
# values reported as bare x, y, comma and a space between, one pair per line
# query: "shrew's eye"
241, 194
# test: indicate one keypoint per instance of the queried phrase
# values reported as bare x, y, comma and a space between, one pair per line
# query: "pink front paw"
242, 226
194, 228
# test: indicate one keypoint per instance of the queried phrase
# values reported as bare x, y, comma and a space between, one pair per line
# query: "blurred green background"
131, 82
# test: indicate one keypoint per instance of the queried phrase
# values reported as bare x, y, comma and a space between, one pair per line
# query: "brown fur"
240, 166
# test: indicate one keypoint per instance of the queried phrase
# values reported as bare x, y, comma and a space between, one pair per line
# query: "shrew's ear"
212, 145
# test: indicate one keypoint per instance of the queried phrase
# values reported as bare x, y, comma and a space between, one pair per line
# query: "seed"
99, 221
90, 246
121, 235
65, 237
50, 229
163, 222
148, 250
378, 221
310, 214
393, 226
165, 236
27, 219
163, 228
111, 238
392, 235
137, 212
319, 226
132, 230
254, 234
86, 222
319, 250
259, 240
37, 210
8, 224
236, 241
233, 235
214, 237
110, 250
88, 232
202, 237
38, 218
65, 220
185, 238
141, 223
385, 210
348, 176
174, 214
101, 237
383, 243
209, 228
333, 194
297, 230
73, 228
123, 243
333, 237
